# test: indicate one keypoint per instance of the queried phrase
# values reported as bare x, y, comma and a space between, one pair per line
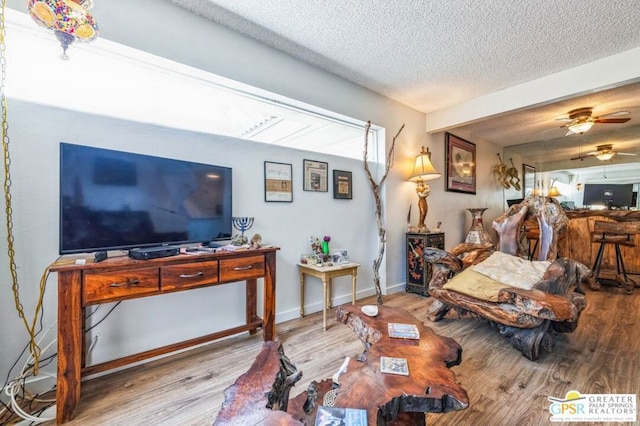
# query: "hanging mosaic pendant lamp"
68, 19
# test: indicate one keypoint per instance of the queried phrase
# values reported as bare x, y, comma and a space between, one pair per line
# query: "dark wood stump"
261, 395
389, 399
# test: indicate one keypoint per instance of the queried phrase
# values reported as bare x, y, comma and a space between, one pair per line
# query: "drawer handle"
243, 268
127, 284
197, 274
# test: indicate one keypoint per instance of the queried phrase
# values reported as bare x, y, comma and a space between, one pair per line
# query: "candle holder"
242, 224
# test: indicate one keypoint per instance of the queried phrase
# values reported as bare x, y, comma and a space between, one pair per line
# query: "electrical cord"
16, 388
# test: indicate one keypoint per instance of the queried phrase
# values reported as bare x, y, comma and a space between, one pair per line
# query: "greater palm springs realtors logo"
593, 408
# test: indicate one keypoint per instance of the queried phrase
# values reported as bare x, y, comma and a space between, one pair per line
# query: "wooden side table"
326, 273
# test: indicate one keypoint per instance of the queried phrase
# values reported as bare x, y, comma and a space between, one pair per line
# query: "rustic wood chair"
618, 234
525, 316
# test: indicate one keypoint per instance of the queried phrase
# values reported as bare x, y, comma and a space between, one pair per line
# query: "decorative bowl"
370, 310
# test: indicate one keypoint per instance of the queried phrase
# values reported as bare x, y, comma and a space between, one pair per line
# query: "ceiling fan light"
581, 127
604, 156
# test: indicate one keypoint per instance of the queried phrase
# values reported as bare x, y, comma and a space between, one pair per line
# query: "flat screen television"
112, 200
615, 195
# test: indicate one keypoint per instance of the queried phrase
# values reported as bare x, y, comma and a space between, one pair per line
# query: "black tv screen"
118, 200
615, 195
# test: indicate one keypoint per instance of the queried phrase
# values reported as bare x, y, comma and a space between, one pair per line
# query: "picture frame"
342, 185
315, 176
278, 183
528, 180
340, 256
461, 165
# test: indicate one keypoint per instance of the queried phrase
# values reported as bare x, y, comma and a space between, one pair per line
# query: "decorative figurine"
256, 241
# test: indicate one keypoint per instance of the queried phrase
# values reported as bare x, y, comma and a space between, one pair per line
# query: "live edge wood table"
261, 396
122, 278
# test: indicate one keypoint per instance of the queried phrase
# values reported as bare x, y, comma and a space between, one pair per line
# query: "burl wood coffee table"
389, 399
261, 396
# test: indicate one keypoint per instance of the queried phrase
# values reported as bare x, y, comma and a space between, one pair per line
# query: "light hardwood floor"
601, 356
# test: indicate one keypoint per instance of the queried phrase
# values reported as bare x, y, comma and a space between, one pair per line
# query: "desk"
326, 273
122, 278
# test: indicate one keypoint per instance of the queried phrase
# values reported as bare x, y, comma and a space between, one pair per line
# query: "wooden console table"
123, 278
326, 274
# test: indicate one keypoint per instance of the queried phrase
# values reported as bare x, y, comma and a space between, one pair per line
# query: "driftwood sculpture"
525, 317
375, 187
261, 395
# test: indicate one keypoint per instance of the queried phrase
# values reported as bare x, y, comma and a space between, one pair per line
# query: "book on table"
330, 416
403, 331
392, 365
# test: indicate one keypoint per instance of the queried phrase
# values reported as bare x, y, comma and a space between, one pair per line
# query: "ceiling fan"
602, 152
580, 120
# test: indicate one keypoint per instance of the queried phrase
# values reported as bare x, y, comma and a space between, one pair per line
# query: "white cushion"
512, 270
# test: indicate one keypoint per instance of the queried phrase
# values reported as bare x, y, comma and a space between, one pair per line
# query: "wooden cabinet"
418, 271
122, 278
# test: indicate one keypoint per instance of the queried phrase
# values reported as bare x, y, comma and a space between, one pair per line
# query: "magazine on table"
393, 365
403, 331
340, 416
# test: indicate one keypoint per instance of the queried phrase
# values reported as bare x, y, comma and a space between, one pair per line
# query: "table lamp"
423, 170
553, 190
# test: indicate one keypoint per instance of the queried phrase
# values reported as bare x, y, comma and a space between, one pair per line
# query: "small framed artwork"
340, 256
278, 186
461, 164
316, 176
342, 185
528, 180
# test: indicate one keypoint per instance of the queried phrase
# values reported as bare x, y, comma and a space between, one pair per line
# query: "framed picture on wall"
316, 176
342, 185
278, 186
461, 164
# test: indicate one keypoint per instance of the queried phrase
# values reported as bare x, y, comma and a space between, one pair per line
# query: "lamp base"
419, 229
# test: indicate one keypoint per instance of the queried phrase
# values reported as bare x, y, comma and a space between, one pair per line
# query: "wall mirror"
528, 180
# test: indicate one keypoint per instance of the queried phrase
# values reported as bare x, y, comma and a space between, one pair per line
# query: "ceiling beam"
606, 73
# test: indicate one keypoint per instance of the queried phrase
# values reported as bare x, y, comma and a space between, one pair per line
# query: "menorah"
242, 223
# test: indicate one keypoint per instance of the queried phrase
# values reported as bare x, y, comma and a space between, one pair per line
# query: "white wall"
178, 35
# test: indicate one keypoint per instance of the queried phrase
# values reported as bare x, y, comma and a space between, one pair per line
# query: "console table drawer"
101, 287
242, 268
189, 275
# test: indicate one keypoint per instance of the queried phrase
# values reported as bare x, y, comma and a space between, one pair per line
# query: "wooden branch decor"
375, 187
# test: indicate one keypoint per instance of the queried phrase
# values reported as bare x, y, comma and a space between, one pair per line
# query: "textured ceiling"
434, 55
428, 54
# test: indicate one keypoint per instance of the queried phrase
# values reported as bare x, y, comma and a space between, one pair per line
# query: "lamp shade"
605, 155
423, 169
581, 126
554, 192
68, 19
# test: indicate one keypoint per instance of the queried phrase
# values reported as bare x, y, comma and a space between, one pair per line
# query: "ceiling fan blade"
547, 130
625, 153
611, 120
582, 157
615, 114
